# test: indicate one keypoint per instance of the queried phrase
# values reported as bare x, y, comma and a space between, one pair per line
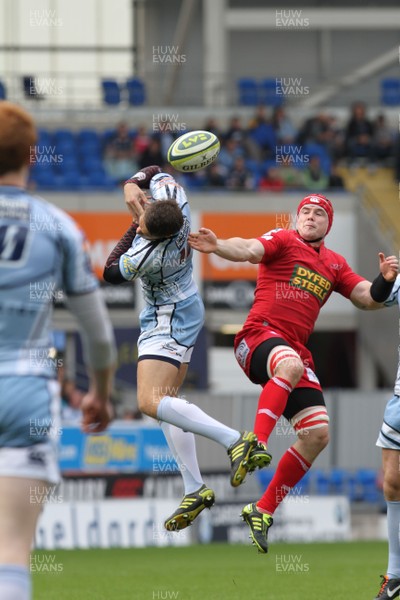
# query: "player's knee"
285, 362
312, 426
147, 405
321, 437
391, 487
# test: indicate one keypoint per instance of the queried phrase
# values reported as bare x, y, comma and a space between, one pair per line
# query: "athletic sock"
271, 404
183, 446
291, 468
393, 524
190, 417
15, 583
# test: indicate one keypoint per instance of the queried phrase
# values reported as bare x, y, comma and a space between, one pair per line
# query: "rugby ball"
193, 151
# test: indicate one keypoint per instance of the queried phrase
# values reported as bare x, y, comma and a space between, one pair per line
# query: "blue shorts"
389, 435
169, 331
29, 427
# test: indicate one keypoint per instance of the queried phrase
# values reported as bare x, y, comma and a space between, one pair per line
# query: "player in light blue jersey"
389, 441
41, 256
155, 249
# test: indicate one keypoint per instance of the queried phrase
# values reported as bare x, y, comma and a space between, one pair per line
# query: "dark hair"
163, 218
17, 137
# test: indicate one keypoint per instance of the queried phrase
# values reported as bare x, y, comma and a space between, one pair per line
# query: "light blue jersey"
391, 301
41, 253
164, 267
389, 435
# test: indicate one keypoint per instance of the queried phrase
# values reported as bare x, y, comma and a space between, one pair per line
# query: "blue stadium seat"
390, 91
365, 486
136, 91
264, 477
268, 93
88, 142
3, 92
90, 164
88, 135
68, 164
321, 482
44, 178
248, 91
111, 92
303, 487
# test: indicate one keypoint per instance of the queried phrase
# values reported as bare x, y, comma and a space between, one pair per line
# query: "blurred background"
303, 98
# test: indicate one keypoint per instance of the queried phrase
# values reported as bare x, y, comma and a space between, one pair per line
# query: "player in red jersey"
296, 276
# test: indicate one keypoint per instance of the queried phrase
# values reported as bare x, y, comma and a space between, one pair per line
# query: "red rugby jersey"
294, 281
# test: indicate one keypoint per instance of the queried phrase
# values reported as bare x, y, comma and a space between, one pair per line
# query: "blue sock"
393, 524
15, 583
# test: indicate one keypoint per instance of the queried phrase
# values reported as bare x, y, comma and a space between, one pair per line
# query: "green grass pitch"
212, 572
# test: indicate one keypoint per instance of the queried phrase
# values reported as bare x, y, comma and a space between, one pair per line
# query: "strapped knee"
277, 356
310, 418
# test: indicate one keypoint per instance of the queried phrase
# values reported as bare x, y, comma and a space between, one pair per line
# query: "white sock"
183, 446
393, 524
190, 417
15, 583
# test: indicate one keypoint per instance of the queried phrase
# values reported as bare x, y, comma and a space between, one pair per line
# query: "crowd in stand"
267, 153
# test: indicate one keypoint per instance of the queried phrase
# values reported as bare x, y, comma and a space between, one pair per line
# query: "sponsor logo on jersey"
310, 281
127, 266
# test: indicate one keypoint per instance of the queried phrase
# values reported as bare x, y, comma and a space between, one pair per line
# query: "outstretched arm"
369, 296
234, 249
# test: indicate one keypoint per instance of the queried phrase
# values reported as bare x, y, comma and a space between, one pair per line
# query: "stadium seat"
44, 178
390, 91
264, 477
3, 93
365, 486
136, 91
321, 482
111, 92
268, 93
248, 91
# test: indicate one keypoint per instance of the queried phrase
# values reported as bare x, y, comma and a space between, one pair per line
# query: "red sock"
291, 468
271, 404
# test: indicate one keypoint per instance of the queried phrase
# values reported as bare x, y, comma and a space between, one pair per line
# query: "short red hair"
18, 136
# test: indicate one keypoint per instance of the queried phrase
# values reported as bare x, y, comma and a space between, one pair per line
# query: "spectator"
211, 125
216, 176
260, 117
382, 139
358, 136
230, 151
153, 154
240, 134
141, 141
314, 178
291, 176
240, 177
119, 155
271, 180
317, 129
284, 129
335, 179
262, 135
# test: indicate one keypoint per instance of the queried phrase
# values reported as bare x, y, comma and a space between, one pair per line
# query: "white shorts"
169, 331
389, 435
33, 462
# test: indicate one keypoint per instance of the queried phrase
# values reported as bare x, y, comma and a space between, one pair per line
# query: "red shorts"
248, 339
